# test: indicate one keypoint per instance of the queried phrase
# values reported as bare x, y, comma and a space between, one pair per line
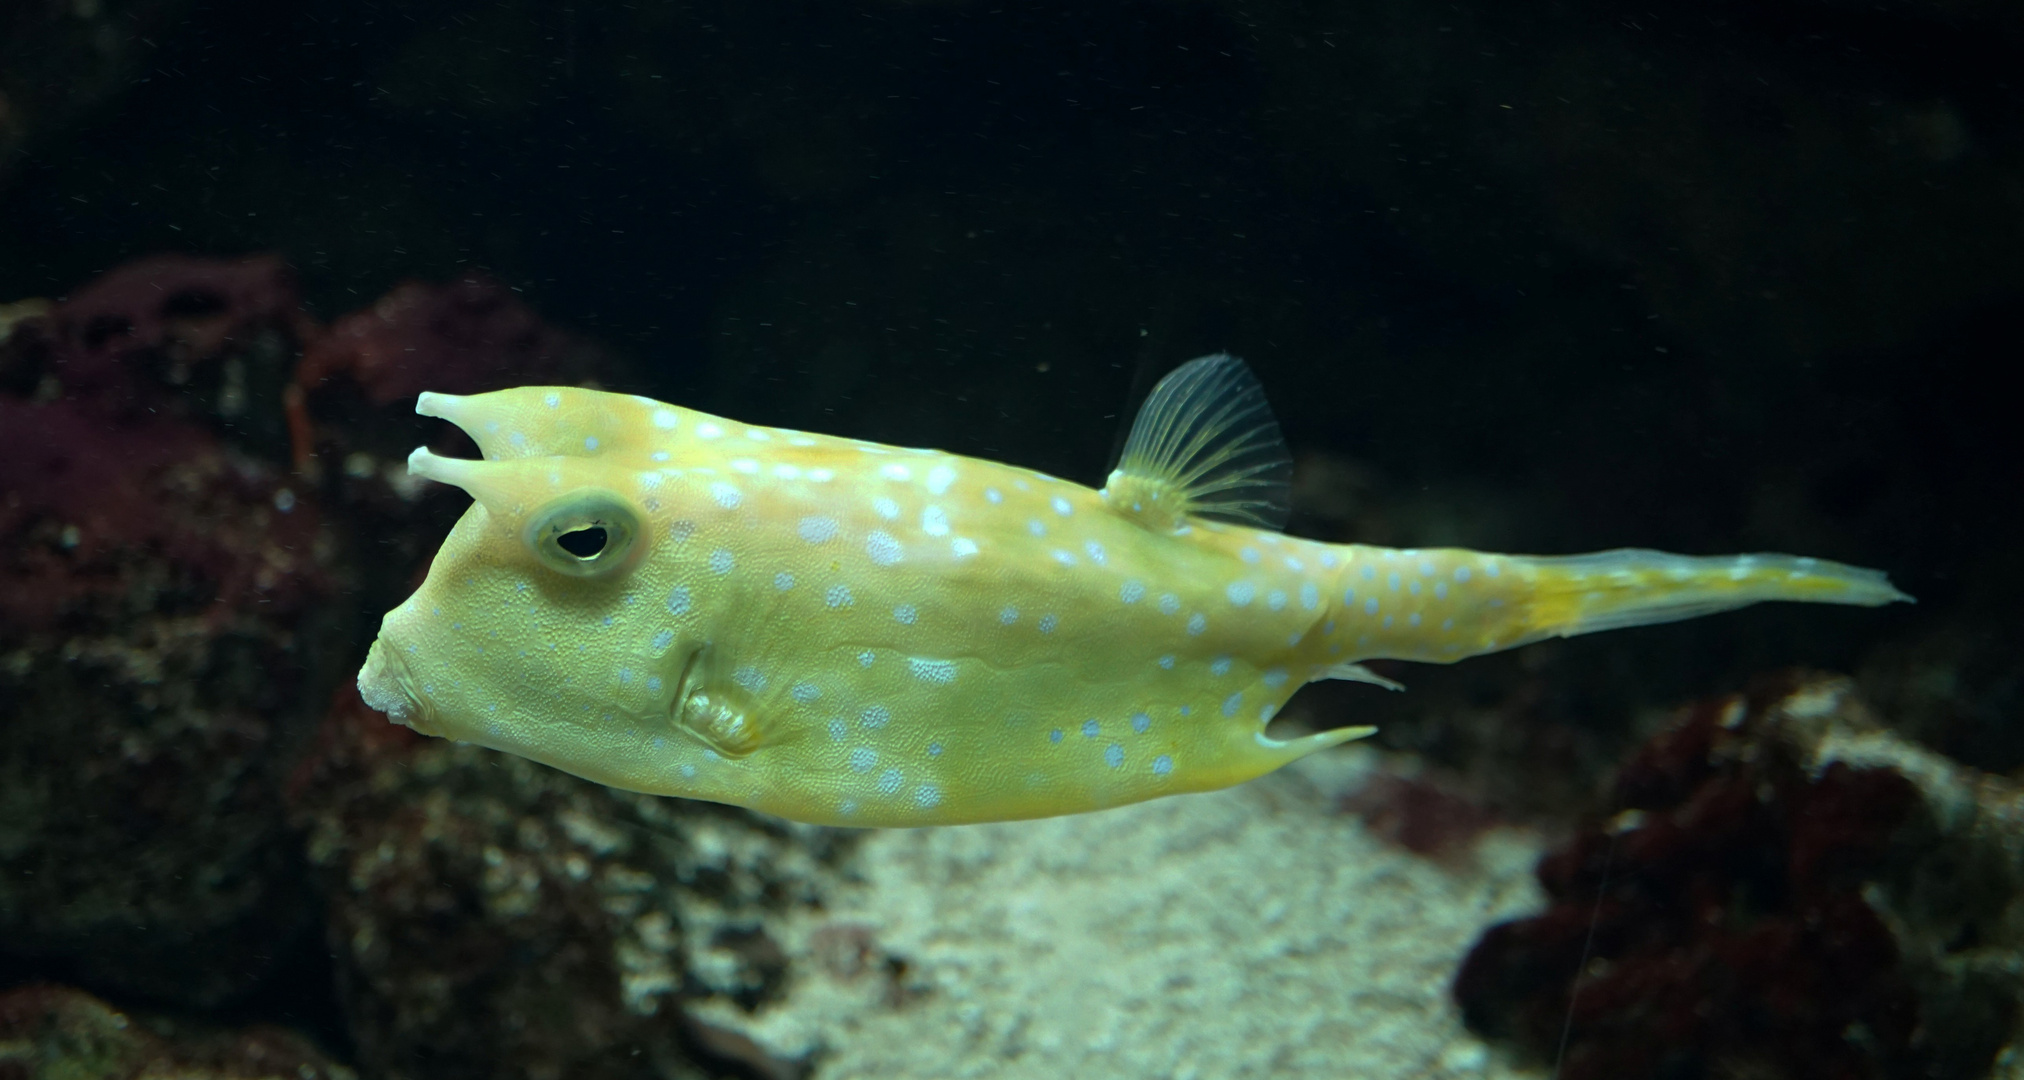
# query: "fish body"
841, 632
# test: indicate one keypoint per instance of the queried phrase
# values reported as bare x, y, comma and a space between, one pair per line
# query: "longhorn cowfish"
842, 632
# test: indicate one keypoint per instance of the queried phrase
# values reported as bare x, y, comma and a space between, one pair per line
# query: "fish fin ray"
1205, 444
1359, 673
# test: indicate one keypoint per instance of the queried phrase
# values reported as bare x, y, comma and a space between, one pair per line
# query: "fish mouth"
385, 685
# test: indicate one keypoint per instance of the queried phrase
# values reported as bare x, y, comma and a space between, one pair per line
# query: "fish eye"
584, 534
584, 543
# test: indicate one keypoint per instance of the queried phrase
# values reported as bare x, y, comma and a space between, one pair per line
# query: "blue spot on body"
1140, 722
889, 782
1162, 765
1054, 736
1090, 728
1113, 756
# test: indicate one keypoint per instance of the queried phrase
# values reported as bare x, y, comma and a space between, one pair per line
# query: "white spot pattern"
883, 548
817, 529
934, 671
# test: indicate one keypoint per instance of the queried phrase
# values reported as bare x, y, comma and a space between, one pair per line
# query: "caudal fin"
1610, 590
1445, 604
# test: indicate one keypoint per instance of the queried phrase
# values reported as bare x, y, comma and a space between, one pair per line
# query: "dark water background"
1549, 277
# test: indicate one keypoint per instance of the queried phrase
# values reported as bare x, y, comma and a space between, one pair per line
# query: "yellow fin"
1204, 445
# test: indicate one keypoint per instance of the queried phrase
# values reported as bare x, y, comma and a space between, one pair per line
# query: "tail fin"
1610, 590
1445, 604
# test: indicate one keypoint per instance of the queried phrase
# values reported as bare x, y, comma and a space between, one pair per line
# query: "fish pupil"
583, 543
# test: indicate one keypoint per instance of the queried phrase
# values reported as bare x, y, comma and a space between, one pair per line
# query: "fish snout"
386, 685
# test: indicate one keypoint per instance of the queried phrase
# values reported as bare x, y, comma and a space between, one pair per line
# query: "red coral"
115, 490
1720, 928
471, 335
140, 326
147, 514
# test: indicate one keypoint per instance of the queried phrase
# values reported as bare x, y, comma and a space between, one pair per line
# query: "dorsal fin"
1204, 444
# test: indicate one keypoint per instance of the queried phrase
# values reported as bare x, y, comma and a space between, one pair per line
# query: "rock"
57, 1033
161, 616
1783, 887
494, 917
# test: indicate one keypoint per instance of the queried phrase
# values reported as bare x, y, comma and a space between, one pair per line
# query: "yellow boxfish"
847, 633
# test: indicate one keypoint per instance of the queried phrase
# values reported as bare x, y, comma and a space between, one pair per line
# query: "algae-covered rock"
494, 917
163, 611
57, 1033
1782, 887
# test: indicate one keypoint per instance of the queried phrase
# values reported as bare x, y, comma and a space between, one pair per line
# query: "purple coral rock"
1717, 925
